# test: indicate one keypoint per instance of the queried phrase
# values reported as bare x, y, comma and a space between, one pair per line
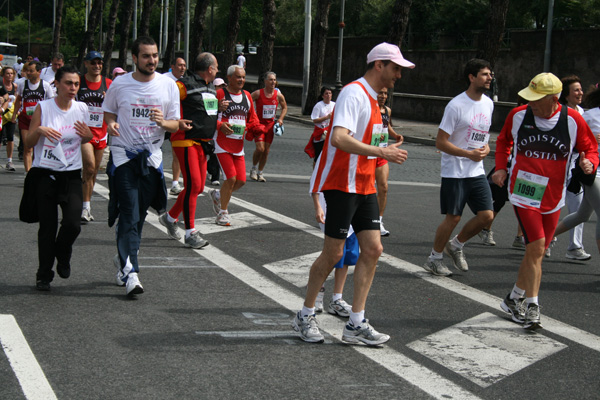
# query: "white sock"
9, 159
86, 205
531, 300
381, 218
260, 172
435, 255
171, 219
305, 312
357, 318
188, 232
336, 296
456, 243
517, 293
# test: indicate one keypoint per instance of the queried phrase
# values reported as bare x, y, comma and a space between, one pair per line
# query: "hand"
113, 129
280, 121
83, 130
393, 153
399, 139
598, 138
226, 128
320, 216
479, 154
185, 124
585, 164
223, 104
499, 177
52, 135
156, 115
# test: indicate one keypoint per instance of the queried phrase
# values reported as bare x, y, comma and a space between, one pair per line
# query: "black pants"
58, 189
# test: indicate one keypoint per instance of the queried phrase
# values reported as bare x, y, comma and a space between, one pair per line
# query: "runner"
237, 119
47, 74
29, 95
178, 69
382, 170
138, 109
8, 91
544, 134
463, 140
345, 173
321, 117
58, 127
198, 104
267, 100
91, 91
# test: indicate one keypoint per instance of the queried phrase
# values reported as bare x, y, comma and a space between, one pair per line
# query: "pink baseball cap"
388, 51
118, 70
218, 82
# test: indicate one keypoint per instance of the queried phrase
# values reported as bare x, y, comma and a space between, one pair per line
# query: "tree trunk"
398, 26
170, 52
492, 38
317, 55
110, 37
146, 13
233, 28
57, 26
126, 14
88, 37
268, 40
197, 31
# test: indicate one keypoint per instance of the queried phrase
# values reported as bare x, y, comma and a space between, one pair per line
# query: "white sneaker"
578, 254
382, 230
175, 190
364, 333
117, 264
86, 216
215, 196
487, 237
308, 328
339, 307
253, 174
261, 178
223, 219
133, 285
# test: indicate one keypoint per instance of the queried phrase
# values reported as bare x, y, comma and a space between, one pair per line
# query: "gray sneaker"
487, 237
548, 251
308, 328
253, 174
458, 257
10, 166
437, 267
175, 190
261, 177
215, 196
578, 254
514, 307
532, 318
518, 243
339, 307
172, 228
195, 241
364, 333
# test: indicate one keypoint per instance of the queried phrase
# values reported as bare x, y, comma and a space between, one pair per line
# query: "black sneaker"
43, 286
514, 307
532, 318
64, 270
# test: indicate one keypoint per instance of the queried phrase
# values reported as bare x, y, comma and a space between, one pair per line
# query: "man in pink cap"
345, 174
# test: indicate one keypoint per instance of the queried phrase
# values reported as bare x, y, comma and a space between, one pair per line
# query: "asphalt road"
215, 323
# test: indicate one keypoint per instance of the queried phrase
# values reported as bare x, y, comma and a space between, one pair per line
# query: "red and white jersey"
542, 149
241, 116
356, 110
266, 107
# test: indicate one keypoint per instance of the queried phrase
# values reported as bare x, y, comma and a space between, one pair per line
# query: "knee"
372, 252
486, 217
382, 188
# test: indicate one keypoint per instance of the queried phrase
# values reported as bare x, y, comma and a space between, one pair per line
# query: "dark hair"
174, 62
146, 40
371, 65
473, 66
204, 61
567, 81
58, 56
37, 64
592, 98
323, 90
67, 69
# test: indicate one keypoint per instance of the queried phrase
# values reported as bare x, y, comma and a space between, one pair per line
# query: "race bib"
529, 188
53, 156
140, 111
239, 127
269, 111
377, 137
211, 104
478, 139
96, 117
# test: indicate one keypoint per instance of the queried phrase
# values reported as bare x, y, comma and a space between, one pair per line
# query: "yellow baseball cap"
540, 86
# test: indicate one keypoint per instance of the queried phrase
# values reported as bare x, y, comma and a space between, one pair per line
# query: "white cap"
388, 51
218, 82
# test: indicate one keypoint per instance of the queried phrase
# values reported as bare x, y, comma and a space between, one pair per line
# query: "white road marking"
23, 362
206, 266
295, 270
486, 349
239, 220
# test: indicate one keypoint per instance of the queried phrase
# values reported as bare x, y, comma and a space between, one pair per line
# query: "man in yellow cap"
541, 137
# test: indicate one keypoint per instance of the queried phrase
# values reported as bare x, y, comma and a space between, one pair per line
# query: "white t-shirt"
131, 101
47, 74
241, 60
592, 117
320, 110
64, 155
468, 124
353, 110
48, 92
18, 68
170, 75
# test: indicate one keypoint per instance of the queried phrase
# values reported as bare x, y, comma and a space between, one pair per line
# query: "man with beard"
138, 109
462, 138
